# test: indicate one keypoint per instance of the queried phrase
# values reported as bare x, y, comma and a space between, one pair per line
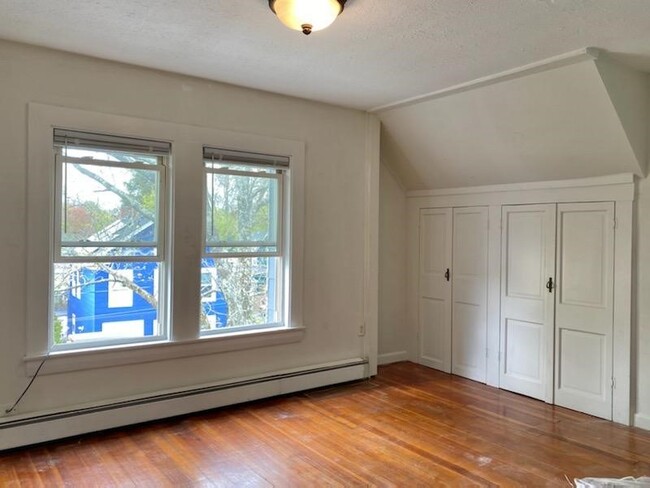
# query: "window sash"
108, 244
278, 296
239, 254
239, 328
88, 161
162, 332
279, 232
109, 259
158, 247
241, 243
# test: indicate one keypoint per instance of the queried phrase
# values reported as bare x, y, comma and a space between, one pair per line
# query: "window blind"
241, 157
116, 143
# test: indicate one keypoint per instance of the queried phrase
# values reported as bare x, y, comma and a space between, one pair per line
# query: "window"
244, 257
100, 234
109, 240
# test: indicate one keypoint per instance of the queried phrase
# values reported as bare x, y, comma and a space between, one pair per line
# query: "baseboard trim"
393, 357
642, 421
26, 430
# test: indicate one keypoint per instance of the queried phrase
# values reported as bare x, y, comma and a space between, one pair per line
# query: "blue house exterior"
101, 299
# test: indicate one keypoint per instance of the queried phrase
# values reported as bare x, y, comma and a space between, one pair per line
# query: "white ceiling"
378, 52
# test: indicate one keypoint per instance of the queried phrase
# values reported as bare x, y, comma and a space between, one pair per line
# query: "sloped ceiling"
584, 116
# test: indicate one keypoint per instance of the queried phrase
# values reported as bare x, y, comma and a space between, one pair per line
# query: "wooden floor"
409, 426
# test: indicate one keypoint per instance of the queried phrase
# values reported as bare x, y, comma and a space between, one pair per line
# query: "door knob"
549, 285
447, 274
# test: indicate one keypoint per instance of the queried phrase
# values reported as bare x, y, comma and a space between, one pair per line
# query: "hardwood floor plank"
548, 449
465, 455
409, 426
382, 459
271, 461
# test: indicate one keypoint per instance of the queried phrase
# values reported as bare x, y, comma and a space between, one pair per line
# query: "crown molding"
573, 57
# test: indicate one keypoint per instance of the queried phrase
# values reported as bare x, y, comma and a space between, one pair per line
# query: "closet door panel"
469, 292
527, 306
435, 289
584, 307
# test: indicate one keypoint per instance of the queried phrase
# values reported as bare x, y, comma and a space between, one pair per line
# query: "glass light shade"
296, 14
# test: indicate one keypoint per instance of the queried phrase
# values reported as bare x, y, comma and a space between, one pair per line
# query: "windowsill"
82, 359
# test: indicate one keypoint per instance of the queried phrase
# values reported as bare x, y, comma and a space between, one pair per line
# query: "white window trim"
187, 172
142, 352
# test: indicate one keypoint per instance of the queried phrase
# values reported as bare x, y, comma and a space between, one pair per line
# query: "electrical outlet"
362, 330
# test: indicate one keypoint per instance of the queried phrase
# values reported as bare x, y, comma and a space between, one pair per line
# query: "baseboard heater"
26, 430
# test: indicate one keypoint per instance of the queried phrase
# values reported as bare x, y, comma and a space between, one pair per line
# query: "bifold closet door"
469, 293
527, 321
435, 288
584, 310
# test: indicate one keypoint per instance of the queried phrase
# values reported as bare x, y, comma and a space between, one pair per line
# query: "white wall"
393, 334
335, 214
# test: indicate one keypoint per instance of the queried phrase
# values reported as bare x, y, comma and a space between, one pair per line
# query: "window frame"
184, 250
160, 245
283, 176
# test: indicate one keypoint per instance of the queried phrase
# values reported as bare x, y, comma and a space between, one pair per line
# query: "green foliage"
85, 218
142, 187
238, 208
58, 331
225, 225
260, 219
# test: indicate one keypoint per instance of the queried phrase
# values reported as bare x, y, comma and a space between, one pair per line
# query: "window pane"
99, 302
239, 292
105, 204
241, 211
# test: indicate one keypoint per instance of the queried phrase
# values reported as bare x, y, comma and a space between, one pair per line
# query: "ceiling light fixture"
307, 15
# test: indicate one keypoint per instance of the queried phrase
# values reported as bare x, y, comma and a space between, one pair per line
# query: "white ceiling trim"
595, 181
585, 54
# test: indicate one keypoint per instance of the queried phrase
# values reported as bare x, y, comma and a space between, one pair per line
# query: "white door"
435, 288
469, 293
584, 310
528, 261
